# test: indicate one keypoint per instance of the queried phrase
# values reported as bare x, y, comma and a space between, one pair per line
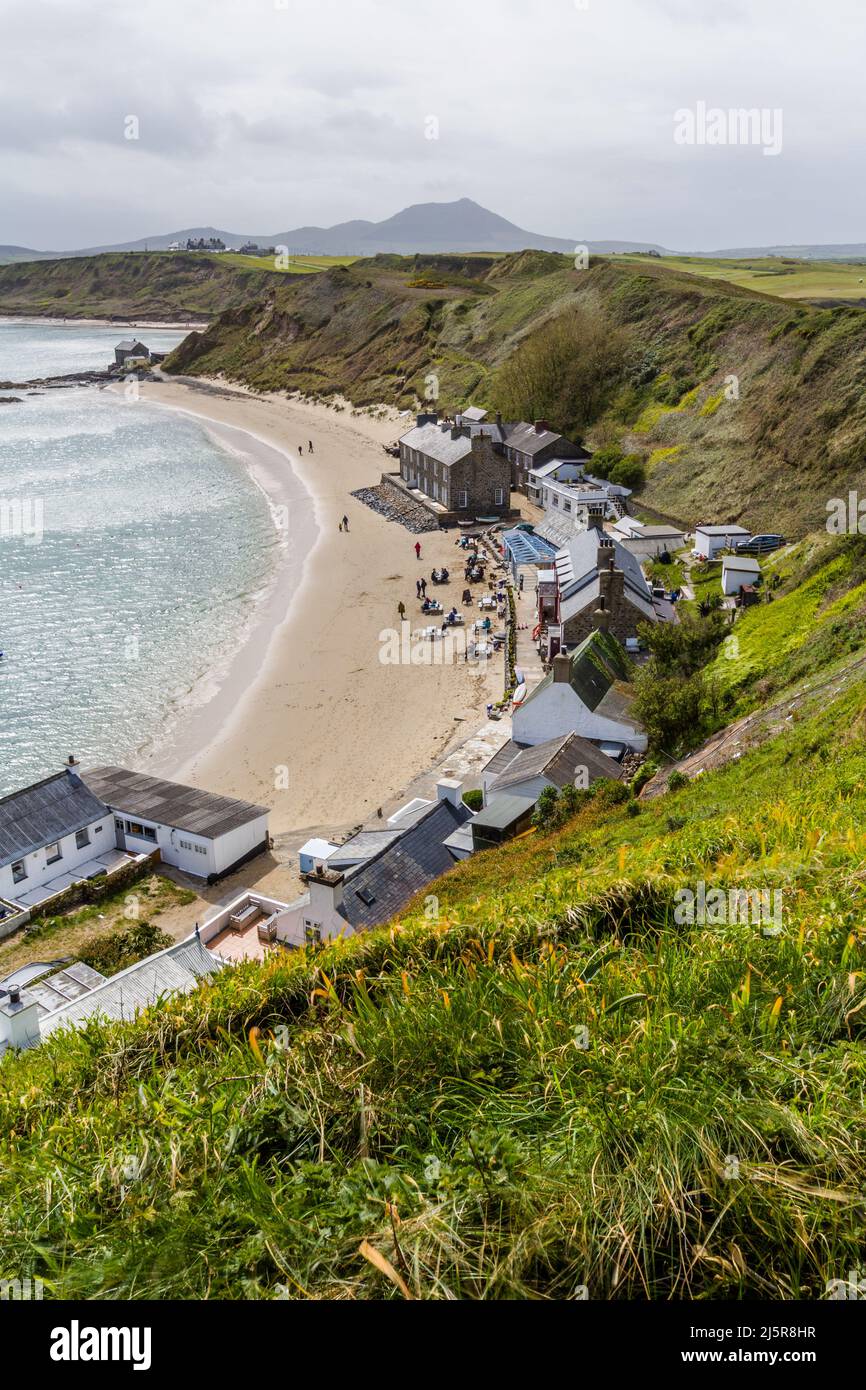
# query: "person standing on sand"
401, 609
417, 588
417, 550
309, 446
340, 527
345, 523
300, 451
423, 583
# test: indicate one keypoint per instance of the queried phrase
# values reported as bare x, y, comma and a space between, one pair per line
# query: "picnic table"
487, 601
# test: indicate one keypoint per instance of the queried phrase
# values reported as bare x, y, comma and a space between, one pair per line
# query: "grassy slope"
159, 285
430, 1092
786, 277
770, 459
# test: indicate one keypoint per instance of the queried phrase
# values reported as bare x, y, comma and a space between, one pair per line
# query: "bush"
116, 950
474, 799
629, 472
677, 780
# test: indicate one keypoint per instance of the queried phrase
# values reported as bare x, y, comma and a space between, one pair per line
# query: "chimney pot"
561, 668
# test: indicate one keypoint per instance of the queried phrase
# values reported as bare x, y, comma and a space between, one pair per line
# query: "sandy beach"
306, 719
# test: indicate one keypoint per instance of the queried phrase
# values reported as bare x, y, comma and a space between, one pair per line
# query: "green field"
298, 265
784, 277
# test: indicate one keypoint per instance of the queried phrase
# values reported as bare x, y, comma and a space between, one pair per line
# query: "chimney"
541, 426
19, 1019
72, 761
605, 555
326, 890
561, 668
601, 617
448, 789
427, 417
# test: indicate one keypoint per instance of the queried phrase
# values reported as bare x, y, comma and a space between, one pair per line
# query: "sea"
134, 550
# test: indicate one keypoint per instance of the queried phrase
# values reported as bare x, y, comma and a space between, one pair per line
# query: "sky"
565, 116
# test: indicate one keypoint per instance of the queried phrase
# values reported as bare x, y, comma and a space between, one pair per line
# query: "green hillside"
539, 1081
160, 285
739, 406
784, 276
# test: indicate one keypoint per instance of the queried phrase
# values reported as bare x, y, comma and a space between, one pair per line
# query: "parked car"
759, 545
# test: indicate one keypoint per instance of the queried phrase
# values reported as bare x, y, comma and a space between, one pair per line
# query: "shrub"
116, 950
474, 799
677, 780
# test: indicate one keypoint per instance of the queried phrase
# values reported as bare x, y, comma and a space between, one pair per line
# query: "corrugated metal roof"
45, 812
176, 970
170, 803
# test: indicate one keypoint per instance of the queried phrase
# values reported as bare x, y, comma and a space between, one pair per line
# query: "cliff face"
741, 406
163, 286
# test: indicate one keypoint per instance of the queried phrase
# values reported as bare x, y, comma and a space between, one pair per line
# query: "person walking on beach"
417, 550
309, 446
401, 609
340, 526
417, 588
300, 451
423, 583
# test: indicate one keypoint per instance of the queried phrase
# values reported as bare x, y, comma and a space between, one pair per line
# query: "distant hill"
837, 251
462, 225
10, 254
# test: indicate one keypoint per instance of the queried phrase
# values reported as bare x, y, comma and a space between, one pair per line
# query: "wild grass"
537, 1081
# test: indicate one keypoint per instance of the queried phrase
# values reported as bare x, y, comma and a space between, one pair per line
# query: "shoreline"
52, 319
309, 668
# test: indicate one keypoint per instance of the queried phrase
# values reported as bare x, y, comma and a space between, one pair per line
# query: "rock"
395, 506
10, 400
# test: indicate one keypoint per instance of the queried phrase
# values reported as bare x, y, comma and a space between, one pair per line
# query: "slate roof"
723, 530
170, 803
403, 868
527, 440
437, 443
577, 574
176, 970
45, 812
558, 760
474, 413
129, 345
596, 665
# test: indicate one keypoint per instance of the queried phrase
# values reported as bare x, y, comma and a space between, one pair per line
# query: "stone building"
597, 575
461, 468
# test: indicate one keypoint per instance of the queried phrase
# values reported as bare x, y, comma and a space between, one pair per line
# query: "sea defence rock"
393, 504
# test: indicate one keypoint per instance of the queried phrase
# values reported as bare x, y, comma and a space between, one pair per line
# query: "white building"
738, 570
52, 835
710, 540
646, 541
586, 693
206, 835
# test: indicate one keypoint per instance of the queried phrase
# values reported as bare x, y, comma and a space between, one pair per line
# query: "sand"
307, 720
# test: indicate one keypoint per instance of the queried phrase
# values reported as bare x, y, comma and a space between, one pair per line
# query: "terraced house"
459, 470
527, 446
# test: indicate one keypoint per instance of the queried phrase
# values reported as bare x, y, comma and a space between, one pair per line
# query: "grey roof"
437, 443
740, 562
129, 344
595, 666
543, 470
501, 812
732, 530
45, 812
504, 756
473, 413
527, 440
403, 868
170, 803
176, 970
577, 574
363, 846
557, 760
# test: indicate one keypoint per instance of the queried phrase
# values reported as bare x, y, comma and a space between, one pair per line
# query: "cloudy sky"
260, 115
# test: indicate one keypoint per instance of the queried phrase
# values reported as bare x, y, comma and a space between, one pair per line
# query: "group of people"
439, 576
309, 448
421, 588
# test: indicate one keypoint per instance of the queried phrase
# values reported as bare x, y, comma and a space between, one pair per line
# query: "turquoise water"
133, 548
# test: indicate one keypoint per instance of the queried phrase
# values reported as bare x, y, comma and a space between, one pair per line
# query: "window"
19, 871
499, 497
53, 853
312, 933
462, 497
142, 832
82, 839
